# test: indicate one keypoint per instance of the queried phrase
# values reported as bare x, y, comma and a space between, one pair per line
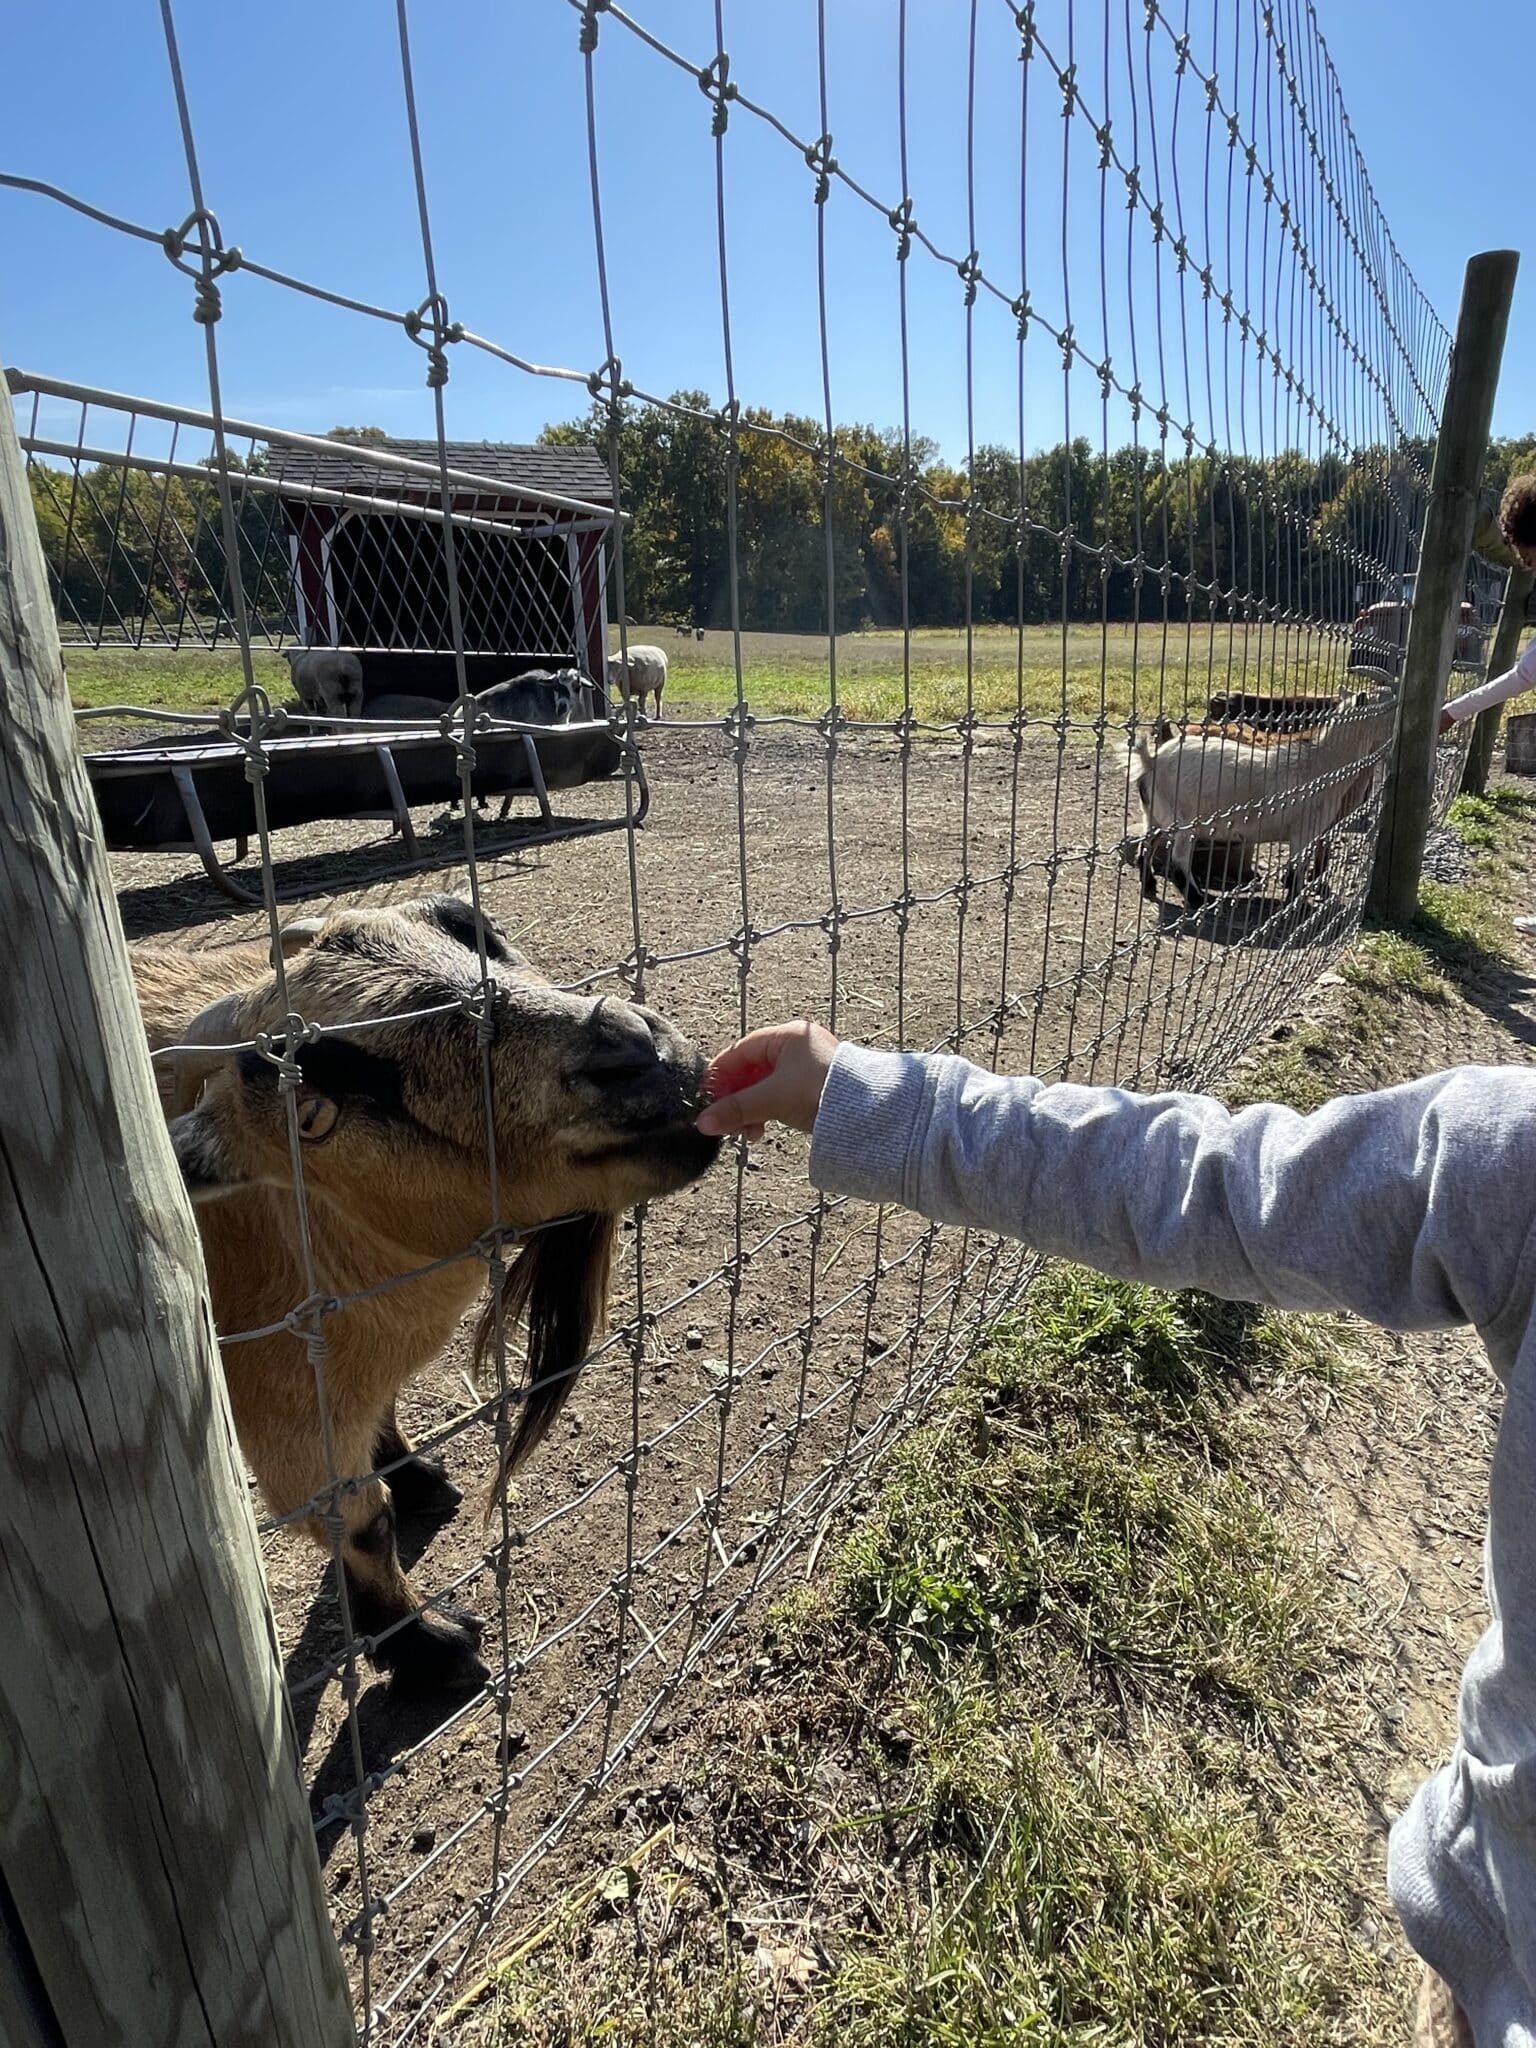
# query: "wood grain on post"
1460, 450
1501, 658
159, 1886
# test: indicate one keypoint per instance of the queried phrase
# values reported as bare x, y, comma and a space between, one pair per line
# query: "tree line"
1066, 532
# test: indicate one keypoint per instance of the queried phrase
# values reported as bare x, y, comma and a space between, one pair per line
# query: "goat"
1291, 787
594, 1102
643, 674
327, 680
540, 696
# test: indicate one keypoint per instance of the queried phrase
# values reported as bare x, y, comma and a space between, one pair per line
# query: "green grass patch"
1012, 1771
1081, 1488
165, 679
1298, 1066
1083, 673
1390, 963
1109, 1905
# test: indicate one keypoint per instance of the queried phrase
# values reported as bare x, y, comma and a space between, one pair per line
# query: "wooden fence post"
1501, 657
1460, 450
159, 1886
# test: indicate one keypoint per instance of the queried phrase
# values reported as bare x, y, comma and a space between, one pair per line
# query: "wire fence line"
1200, 287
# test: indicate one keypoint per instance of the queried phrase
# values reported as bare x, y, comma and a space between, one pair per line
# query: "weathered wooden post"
1458, 466
1501, 658
159, 1886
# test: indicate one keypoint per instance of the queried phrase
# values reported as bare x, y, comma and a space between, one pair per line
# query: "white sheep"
1201, 786
645, 674
327, 680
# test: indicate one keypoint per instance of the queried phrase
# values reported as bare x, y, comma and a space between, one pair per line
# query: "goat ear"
559, 1285
455, 918
204, 1161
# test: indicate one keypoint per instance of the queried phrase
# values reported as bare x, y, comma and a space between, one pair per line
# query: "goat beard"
558, 1287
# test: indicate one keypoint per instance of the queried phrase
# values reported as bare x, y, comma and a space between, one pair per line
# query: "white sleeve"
1498, 689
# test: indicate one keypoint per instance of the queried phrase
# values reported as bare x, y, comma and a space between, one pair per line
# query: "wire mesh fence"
1199, 391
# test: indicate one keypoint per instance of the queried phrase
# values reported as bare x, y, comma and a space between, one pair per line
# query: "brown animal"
593, 1105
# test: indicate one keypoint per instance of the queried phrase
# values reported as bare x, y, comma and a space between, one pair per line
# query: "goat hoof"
435, 1652
421, 1486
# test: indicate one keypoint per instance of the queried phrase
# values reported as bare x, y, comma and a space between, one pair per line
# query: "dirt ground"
981, 903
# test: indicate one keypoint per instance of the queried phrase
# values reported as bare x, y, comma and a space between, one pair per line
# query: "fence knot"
213, 261
479, 1004
819, 158
902, 221
1020, 310
969, 270
715, 84
1068, 91
1024, 22
1105, 138
590, 10
276, 1046
607, 380
430, 328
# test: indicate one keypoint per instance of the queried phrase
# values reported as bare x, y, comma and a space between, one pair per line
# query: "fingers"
744, 1111
749, 1060
771, 1075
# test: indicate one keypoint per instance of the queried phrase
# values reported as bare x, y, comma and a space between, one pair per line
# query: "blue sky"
299, 118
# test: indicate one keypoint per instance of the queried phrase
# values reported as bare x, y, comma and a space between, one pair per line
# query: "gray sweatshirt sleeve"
1413, 1207
1498, 689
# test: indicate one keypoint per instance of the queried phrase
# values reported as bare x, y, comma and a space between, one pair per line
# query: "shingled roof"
564, 472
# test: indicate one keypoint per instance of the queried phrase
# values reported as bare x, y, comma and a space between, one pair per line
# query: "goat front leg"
420, 1484
1181, 871
424, 1650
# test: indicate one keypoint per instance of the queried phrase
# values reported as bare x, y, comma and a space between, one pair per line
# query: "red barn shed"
531, 527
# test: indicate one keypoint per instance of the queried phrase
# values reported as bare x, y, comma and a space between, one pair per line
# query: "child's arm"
1413, 1207
1497, 690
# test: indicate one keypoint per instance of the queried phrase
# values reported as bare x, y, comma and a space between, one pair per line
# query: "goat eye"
317, 1118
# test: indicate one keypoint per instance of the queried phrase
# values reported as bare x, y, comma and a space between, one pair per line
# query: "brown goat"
592, 1102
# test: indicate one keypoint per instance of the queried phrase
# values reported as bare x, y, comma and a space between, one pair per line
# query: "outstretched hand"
773, 1075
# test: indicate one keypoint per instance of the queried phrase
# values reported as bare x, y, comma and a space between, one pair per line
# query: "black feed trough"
184, 794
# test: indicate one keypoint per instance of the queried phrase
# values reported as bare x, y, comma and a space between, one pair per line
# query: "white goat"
646, 674
1197, 787
327, 680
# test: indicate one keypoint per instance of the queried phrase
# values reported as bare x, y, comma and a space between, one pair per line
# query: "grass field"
1083, 672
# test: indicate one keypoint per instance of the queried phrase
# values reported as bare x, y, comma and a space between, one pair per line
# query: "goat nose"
623, 1042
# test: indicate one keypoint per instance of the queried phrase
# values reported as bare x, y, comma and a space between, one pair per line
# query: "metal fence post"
1460, 450
1501, 657
158, 1876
